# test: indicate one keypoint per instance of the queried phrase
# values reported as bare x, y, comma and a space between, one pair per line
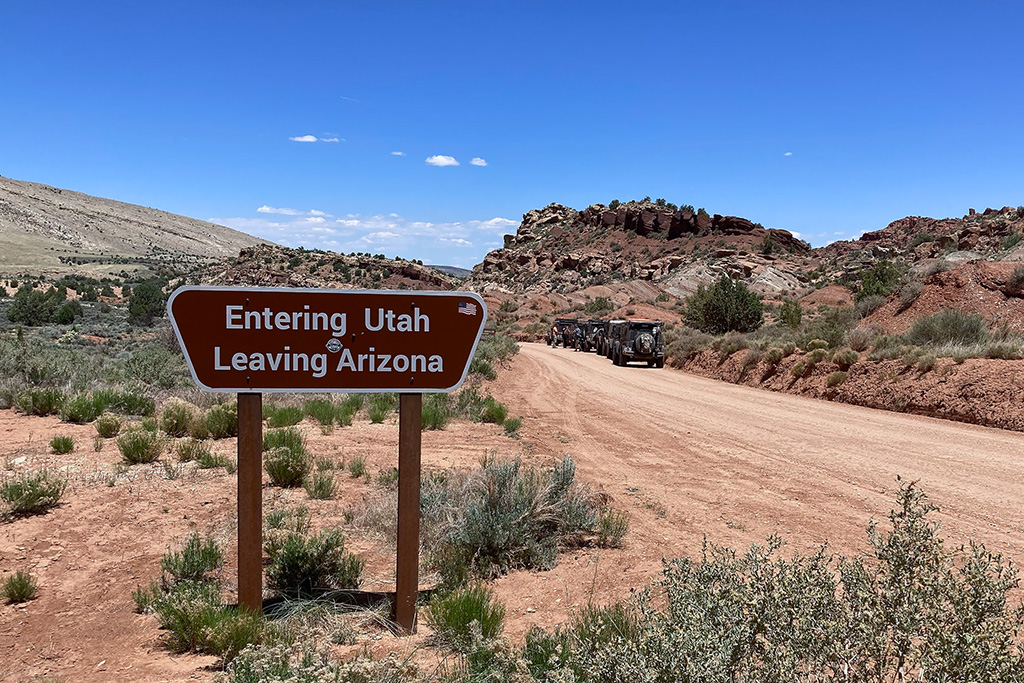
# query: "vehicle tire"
644, 343
661, 363
650, 363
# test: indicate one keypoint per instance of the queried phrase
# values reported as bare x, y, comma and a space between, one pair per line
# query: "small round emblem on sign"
334, 346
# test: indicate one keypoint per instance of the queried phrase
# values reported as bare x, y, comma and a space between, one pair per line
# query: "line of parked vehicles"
622, 341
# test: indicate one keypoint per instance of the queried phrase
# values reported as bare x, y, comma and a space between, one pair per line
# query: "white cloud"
795, 234
312, 138
477, 161
452, 243
398, 154
788, 154
283, 212
442, 160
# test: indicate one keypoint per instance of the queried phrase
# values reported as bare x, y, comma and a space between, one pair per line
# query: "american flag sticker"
467, 308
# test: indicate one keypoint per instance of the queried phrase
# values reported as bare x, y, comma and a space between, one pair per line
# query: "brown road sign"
243, 339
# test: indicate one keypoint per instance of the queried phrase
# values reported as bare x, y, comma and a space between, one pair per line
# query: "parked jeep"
587, 339
561, 331
638, 340
607, 335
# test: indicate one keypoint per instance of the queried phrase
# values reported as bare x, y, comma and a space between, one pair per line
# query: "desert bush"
845, 357
835, 379
612, 526
816, 344
156, 365
909, 293
177, 417
860, 338
32, 493
20, 587
1013, 239
831, 326
284, 416
869, 305
82, 408
436, 411
462, 616
323, 410
320, 486
108, 426
493, 411
800, 369
725, 306
62, 444
817, 356
222, 421
195, 621
1004, 351
512, 426
1015, 283
880, 280
286, 458
940, 266
378, 410
193, 562
192, 449
790, 313
911, 609
303, 565
728, 344
921, 238
279, 662
139, 446
683, 344
948, 327
129, 402
357, 466
206, 459
926, 363
40, 401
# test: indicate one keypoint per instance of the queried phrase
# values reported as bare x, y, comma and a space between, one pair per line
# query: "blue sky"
827, 119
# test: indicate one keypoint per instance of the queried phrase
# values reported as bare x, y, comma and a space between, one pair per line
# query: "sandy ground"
688, 457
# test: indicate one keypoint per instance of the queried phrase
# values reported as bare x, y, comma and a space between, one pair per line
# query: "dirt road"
733, 463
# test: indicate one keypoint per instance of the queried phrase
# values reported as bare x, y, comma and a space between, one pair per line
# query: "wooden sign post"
249, 341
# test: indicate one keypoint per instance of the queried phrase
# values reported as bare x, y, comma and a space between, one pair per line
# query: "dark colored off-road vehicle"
638, 340
588, 340
607, 334
560, 331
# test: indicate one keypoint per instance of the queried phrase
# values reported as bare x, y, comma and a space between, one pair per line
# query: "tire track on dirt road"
697, 456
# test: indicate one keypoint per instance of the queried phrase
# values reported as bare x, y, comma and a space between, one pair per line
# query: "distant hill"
48, 230
452, 270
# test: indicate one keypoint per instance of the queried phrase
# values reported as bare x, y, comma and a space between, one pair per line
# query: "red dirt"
688, 457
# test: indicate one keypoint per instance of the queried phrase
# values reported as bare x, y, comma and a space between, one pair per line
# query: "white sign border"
311, 290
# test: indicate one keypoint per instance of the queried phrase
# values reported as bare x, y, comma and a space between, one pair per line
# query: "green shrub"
206, 459
800, 369
20, 587
926, 363
286, 416
177, 417
1015, 283
222, 420
911, 607
921, 238
357, 466
131, 403
196, 559
831, 327
512, 426
816, 344
154, 365
790, 313
612, 526
835, 379
493, 411
880, 280
684, 344
83, 408
192, 449
287, 460
860, 339
455, 616
869, 304
302, 566
62, 444
187, 611
32, 493
324, 411
321, 486
1011, 240
145, 303
380, 407
40, 401
139, 446
34, 307
845, 357
436, 412
108, 426
948, 327
725, 306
